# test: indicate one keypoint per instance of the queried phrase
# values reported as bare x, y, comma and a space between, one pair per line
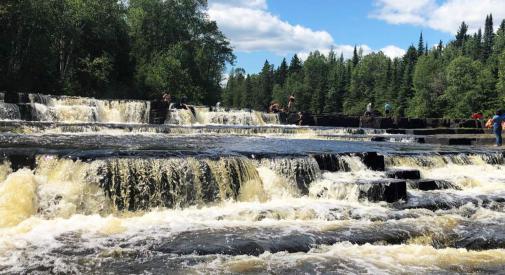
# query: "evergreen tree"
461, 35
406, 89
499, 43
355, 57
296, 65
281, 73
315, 80
248, 96
264, 97
487, 44
420, 45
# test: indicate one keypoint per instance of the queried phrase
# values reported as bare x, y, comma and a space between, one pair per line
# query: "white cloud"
252, 4
446, 16
393, 51
251, 27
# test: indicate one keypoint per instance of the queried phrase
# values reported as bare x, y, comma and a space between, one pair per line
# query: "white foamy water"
203, 116
90, 110
76, 214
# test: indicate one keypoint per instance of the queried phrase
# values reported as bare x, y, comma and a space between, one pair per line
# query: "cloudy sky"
273, 29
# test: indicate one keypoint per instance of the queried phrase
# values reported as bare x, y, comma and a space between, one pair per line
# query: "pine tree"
355, 57
461, 35
281, 73
440, 48
499, 43
487, 44
266, 87
420, 45
295, 66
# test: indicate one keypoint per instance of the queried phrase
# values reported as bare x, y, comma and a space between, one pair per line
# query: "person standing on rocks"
369, 110
387, 109
497, 126
291, 104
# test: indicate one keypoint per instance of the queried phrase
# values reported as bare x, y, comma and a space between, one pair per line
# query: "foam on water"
9, 111
203, 116
76, 214
78, 109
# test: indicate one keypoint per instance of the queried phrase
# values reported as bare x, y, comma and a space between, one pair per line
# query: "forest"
112, 49
452, 80
141, 49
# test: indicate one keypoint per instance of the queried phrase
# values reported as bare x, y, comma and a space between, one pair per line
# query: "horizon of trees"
464, 76
112, 49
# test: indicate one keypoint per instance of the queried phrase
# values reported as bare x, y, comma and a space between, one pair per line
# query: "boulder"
389, 190
411, 174
429, 185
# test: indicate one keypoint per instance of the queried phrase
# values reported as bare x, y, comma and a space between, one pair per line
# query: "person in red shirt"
477, 116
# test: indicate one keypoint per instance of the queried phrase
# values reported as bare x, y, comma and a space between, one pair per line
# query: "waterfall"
203, 116
90, 110
300, 171
177, 182
436, 160
9, 111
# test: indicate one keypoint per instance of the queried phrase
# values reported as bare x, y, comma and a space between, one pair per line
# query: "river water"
235, 192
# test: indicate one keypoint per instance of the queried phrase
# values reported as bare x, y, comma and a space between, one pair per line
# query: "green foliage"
429, 85
103, 48
462, 94
467, 75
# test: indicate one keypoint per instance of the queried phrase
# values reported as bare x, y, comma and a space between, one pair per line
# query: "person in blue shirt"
497, 126
387, 109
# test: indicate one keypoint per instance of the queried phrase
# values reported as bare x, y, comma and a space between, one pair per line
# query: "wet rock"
389, 190
158, 112
254, 241
404, 174
336, 162
26, 111
479, 236
444, 201
12, 97
376, 122
373, 161
20, 161
336, 121
428, 185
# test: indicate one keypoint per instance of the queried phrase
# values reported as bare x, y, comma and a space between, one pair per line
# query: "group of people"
275, 107
370, 112
497, 124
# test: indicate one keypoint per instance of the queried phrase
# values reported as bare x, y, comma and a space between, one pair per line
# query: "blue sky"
274, 29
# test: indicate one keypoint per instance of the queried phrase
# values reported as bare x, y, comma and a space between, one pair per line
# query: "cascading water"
88, 198
9, 112
78, 109
255, 205
203, 116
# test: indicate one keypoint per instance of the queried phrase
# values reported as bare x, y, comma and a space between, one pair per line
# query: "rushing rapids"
232, 192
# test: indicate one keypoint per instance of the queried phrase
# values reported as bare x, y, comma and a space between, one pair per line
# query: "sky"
271, 30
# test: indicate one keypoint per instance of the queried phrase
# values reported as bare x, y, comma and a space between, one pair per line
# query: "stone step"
388, 190
335, 163
405, 174
430, 184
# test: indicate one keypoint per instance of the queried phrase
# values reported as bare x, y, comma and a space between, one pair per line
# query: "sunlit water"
241, 197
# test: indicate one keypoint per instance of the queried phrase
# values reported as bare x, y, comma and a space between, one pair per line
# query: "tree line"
112, 49
454, 80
